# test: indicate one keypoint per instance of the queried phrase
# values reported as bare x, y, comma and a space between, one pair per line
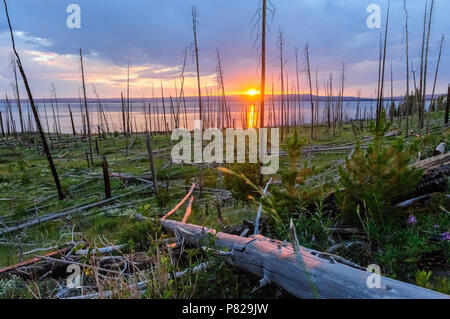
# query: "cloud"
152, 36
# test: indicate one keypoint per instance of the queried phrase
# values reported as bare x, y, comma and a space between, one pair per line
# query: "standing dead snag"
71, 121
407, 106
262, 93
88, 123
35, 112
194, 28
382, 68
434, 84
106, 178
447, 107
16, 93
263, 63
308, 70
152, 165
426, 65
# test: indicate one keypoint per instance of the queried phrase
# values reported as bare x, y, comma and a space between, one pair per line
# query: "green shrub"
291, 196
375, 179
240, 189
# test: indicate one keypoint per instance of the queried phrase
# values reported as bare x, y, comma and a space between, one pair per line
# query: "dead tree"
419, 123
17, 94
447, 106
86, 109
383, 64
152, 165
106, 178
434, 84
194, 28
71, 121
1, 124
280, 44
298, 114
263, 62
407, 104
308, 74
303, 272
35, 112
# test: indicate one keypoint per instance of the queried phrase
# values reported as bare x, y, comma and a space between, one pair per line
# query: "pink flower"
411, 220
446, 236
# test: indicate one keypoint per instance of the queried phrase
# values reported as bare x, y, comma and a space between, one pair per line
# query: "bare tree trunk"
164, 108
380, 97
298, 115
447, 106
1, 124
123, 115
194, 27
13, 64
280, 40
419, 123
71, 121
263, 64
424, 93
434, 84
86, 109
106, 178
36, 115
152, 165
407, 105
308, 70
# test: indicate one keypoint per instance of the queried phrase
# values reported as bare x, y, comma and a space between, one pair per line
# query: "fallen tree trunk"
276, 262
435, 174
65, 213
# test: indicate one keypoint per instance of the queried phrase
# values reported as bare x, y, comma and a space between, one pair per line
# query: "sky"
152, 35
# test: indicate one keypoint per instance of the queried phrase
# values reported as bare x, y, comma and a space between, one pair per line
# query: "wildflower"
436, 226
411, 220
446, 236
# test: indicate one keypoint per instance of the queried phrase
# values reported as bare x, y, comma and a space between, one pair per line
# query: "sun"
252, 92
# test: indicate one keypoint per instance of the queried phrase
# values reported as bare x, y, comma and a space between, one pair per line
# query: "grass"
404, 252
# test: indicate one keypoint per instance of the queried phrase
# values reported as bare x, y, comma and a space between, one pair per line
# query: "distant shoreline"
229, 97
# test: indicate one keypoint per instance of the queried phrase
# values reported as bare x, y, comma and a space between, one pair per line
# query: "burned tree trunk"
106, 178
35, 112
447, 107
152, 165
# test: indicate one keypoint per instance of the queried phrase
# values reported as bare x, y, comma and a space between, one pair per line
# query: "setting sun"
252, 92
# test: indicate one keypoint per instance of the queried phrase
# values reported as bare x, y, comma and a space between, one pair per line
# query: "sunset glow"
252, 92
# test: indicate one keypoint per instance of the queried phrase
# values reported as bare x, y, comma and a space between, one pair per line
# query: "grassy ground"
27, 190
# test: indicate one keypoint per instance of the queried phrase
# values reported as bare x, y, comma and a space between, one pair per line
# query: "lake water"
244, 113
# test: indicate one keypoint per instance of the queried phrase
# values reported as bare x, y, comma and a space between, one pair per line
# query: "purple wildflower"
411, 220
446, 236
436, 226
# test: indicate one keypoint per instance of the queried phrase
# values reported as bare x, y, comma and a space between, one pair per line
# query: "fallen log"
65, 213
436, 171
276, 262
19, 268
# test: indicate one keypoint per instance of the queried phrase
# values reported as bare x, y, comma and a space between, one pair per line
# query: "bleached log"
440, 149
411, 201
276, 262
65, 213
103, 250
